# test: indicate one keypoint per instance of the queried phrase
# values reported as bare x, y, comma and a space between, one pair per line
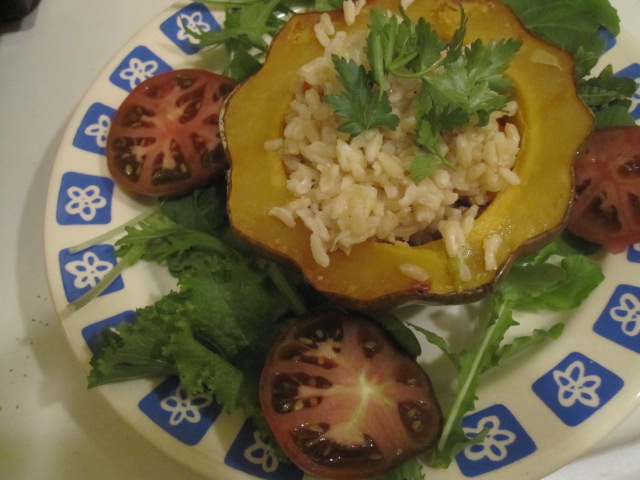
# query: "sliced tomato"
343, 401
607, 206
164, 140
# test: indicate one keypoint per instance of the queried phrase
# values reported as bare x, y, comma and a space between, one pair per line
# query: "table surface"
51, 426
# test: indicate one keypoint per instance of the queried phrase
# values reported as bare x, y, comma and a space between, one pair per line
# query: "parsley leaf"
458, 84
473, 83
360, 107
423, 166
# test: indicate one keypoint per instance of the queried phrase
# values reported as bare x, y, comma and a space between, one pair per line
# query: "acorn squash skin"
553, 123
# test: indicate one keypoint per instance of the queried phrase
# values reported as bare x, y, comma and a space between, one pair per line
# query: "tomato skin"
164, 140
607, 205
343, 401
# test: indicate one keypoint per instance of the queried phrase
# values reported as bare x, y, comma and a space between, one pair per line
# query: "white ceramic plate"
543, 409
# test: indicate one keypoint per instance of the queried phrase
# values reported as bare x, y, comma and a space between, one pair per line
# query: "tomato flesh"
164, 139
607, 206
343, 401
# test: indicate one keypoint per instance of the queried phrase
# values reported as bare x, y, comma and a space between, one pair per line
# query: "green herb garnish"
358, 104
459, 85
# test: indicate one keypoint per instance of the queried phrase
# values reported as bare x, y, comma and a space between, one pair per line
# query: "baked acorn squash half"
553, 124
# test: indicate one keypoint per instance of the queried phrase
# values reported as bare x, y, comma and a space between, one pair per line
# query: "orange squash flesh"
553, 124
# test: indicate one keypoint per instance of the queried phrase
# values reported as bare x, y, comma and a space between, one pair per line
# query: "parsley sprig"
360, 107
459, 85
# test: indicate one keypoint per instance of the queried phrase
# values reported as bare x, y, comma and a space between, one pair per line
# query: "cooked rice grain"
352, 190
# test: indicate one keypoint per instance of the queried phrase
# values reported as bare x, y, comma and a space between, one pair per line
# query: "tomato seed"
307, 341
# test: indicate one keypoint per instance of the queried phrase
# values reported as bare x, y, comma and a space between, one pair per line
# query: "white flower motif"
184, 406
85, 202
575, 386
194, 23
138, 71
494, 445
628, 314
99, 130
88, 271
261, 454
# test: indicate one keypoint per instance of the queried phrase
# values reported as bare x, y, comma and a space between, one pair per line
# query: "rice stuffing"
353, 190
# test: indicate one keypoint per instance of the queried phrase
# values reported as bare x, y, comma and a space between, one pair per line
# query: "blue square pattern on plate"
506, 441
250, 454
91, 333
84, 199
620, 319
139, 65
186, 417
609, 39
576, 388
195, 17
94, 126
633, 253
81, 271
633, 71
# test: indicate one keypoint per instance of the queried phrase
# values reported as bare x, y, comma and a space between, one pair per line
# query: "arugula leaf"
358, 105
538, 282
519, 344
550, 286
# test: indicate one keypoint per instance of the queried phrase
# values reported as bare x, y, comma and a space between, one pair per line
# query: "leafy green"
557, 278
360, 107
572, 25
249, 27
215, 330
409, 470
575, 26
399, 331
609, 97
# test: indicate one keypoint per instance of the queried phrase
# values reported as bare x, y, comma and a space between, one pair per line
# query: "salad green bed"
230, 304
215, 329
